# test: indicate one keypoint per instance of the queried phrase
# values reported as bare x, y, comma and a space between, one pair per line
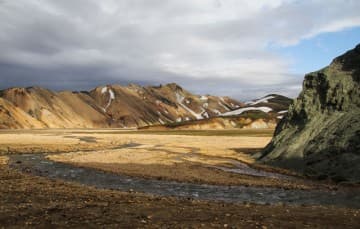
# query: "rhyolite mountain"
320, 134
123, 106
257, 114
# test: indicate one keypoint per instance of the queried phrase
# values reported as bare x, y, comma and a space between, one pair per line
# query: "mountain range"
133, 106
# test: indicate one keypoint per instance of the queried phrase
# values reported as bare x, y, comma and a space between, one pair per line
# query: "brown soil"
28, 201
31, 201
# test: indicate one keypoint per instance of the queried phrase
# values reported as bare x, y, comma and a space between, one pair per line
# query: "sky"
240, 48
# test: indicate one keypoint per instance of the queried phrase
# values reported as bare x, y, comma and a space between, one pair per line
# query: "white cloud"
218, 41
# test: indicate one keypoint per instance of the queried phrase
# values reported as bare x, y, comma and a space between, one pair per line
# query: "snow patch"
203, 98
216, 111
262, 100
111, 97
242, 110
205, 114
205, 105
280, 117
180, 100
104, 90
161, 121
112, 94
179, 119
282, 112
225, 107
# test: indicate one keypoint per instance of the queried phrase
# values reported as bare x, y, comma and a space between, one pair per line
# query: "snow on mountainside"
121, 106
270, 103
242, 110
262, 100
261, 113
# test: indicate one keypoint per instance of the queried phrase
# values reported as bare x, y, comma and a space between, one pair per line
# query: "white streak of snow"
104, 90
111, 98
206, 115
262, 100
180, 99
225, 107
241, 110
112, 94
282, 112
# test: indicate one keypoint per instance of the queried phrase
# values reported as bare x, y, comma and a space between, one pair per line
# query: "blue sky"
317, 52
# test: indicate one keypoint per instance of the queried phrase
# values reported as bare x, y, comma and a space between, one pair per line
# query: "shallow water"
37, 164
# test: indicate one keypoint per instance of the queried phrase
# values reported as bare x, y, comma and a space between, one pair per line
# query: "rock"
320, 134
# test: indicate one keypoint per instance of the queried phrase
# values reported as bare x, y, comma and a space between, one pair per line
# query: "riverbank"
32, 201
217, 183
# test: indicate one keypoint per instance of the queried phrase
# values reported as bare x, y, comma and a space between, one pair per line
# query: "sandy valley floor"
196, 157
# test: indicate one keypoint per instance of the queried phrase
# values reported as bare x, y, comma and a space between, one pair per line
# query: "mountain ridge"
110, 106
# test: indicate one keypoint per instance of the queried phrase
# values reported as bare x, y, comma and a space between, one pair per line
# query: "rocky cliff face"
320, 135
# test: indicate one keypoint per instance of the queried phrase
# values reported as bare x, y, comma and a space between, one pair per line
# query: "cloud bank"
208, 46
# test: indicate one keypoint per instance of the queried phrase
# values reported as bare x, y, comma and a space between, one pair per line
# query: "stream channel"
38, 164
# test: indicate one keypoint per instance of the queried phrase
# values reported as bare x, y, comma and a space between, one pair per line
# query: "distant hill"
260, 113
112, 106
320, 135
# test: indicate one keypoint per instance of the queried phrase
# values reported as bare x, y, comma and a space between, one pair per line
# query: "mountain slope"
13, 117
260, 113
133, 106
56, 110
107, 106
320, 135
272, 104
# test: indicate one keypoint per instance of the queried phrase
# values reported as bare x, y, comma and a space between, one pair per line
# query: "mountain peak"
174, 86
350, 61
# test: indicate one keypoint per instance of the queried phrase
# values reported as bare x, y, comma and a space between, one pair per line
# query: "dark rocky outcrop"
320, 135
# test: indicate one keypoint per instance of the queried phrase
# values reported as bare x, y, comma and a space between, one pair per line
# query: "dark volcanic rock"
320, 135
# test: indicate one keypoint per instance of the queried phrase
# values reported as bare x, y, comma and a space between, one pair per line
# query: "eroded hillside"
134, 106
